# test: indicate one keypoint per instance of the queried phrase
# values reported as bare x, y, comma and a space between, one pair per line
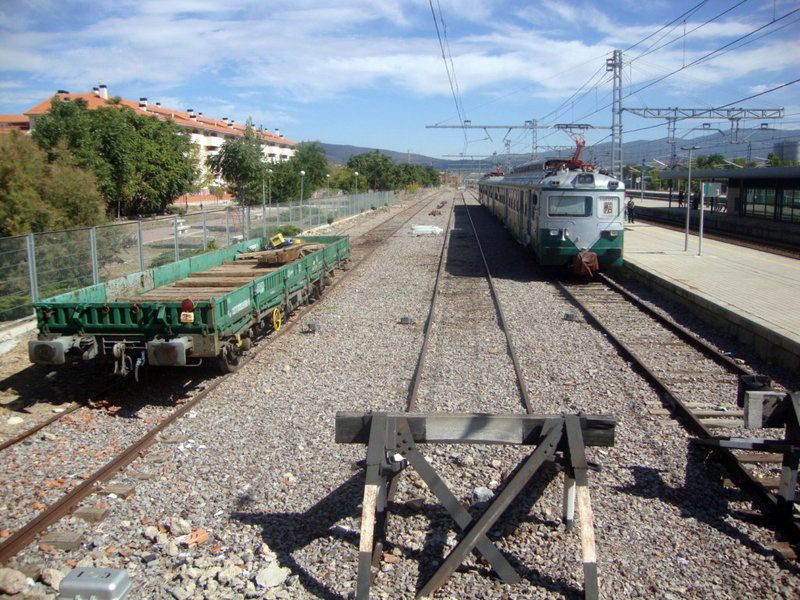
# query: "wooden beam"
473, 428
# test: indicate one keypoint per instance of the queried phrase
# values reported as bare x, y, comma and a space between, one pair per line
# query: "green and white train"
568, 213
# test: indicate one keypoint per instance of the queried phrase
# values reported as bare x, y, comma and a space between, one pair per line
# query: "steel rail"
39, 426
768, 500
26, 534
416, 379
675, 327
523, 388
86, 403
55, 511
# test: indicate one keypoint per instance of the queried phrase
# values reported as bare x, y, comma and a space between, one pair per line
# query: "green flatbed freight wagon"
203, 307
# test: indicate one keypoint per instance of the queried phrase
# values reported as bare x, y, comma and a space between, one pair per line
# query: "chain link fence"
40, 265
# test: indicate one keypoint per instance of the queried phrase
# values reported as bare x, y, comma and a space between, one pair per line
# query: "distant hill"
760, 141
339, 154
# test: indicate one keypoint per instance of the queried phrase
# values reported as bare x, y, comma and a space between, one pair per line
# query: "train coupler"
123, 363
585, 263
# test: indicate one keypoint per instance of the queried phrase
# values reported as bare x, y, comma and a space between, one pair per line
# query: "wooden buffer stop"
392, 441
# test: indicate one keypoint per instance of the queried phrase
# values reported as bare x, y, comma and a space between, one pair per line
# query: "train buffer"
392, 441
765, 407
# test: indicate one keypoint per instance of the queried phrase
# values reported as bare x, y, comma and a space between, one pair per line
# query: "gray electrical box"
95, 584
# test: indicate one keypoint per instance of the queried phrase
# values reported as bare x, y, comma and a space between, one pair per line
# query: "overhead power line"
449, 68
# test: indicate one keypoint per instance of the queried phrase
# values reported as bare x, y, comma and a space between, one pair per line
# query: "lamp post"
263, 212
302, 177
327, 184
356, 174
688, 195
269, 189
644, 178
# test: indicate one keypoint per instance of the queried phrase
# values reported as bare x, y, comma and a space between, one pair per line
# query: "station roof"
743, 173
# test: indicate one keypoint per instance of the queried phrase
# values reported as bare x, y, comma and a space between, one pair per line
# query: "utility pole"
614, 65
534, 145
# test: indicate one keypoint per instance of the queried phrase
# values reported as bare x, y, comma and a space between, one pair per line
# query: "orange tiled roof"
18, 122
185, 119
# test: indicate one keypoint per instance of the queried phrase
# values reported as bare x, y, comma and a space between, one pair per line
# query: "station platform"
747, 293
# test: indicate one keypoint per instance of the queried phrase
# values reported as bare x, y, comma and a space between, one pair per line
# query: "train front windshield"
569, 206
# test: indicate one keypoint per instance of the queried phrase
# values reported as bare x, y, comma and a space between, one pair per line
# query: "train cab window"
608, 207
569, 206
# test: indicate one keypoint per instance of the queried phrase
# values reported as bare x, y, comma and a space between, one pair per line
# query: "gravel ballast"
253, 499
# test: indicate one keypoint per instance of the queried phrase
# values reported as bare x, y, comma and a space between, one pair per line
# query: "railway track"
78, 489
697, 383
464, 285
291, 488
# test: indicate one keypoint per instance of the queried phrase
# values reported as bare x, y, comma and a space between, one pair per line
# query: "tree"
712, 161
655, 179
773, 160
341, 178
239, 164
69, 123
285, 181
141, 163
430, 177
310, 157
169, 168
631, 171
377, 170
41, 192
741, 161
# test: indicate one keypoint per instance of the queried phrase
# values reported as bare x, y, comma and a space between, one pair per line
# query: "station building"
760, 205
766, 193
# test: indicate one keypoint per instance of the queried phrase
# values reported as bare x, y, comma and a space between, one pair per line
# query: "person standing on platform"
631, 207
680, 198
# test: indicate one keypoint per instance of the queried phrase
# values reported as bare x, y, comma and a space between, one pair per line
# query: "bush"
331, 220
176, 209
289, 230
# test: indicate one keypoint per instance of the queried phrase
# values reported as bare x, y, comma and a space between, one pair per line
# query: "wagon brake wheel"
277, 319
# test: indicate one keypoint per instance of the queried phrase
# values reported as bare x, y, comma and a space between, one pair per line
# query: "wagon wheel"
228, 359
277, 319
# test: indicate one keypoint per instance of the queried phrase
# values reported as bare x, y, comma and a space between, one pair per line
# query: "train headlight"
609, 233
612, 185
555, 232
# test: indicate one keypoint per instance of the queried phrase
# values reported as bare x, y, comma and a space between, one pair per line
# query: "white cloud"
273, 61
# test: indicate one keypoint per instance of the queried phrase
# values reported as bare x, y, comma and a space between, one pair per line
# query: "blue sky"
371, 72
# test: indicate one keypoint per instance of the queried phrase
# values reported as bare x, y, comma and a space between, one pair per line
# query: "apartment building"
208, 133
